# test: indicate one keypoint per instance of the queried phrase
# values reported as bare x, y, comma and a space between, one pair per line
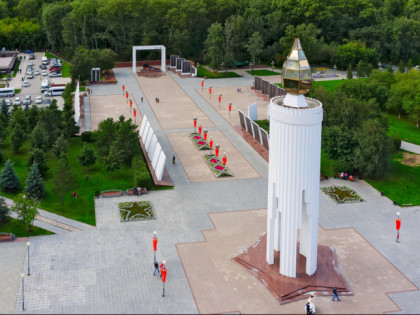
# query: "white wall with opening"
163, 55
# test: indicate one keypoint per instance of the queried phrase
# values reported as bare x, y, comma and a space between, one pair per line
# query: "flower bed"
136, 211
216, 166
342, 194
199, 141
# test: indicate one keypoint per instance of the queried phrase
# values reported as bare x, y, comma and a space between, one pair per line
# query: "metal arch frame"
163, 55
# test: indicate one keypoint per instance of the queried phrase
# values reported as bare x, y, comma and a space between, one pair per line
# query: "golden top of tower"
296, 73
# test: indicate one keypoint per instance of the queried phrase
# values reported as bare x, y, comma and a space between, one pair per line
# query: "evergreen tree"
63, 180
60, 146
35, 187
9, 182
87, 157
4, 211
38, 156
39, 138
4, 108
112, 161
18, 137
27, 209
349, 72
32, 116
3, 126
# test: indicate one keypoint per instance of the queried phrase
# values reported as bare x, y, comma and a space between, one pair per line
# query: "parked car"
55, 69
8, 102
25, 83
55, 74
17, 101
36, 72
29, 71
29, 75
44, 73
43, 67
47, 102
31, 56
27, 100
38, 100
30, 63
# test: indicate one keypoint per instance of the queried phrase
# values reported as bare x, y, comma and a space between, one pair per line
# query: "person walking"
308, 308
173, 159
156, 268
335, 294
142, 99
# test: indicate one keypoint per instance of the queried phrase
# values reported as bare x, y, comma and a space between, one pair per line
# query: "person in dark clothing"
308, 308
135, 191
173, 159
156, 268
335, 294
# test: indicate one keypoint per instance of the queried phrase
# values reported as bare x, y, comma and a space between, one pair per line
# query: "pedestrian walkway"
410, 147
53, 222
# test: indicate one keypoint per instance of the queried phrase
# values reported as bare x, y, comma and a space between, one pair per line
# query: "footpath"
53, 222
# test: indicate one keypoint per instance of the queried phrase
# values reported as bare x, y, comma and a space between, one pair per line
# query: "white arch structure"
163, 58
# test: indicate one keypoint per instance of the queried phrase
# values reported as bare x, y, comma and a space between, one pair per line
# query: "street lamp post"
230, 108
335, 69
220, 99
131, 105
155, 241
379, 65
202, 86
211, 145
163, 272
252, 67
27, 245
205, 134
398, 226
22, 275
195, 124
210, 92
272, 65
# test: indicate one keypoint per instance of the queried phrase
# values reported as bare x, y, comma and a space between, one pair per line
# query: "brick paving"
108, 269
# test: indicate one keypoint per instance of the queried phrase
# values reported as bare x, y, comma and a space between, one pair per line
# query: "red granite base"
287, 289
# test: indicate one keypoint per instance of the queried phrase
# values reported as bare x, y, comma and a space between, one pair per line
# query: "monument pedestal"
288, 289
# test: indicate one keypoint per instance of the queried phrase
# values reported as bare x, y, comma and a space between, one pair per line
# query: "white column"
163, 63
134, 59
295, 149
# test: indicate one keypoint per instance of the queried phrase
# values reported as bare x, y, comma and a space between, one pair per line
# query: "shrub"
396, 143
88, 136
342, 166
141, 175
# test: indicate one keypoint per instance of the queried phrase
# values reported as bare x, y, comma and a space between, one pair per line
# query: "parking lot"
34, 88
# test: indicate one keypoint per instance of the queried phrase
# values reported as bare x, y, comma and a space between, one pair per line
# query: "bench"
113, 193
141, 191
7, 236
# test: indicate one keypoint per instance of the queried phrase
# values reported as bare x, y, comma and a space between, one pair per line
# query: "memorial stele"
294, 168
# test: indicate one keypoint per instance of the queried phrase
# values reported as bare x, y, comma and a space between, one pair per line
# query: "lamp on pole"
220, 99
210, 92
335, 69
195, 124
22, 275
379, 65
252, 67
27, 245
398, 226
211, 145
202, 86
155, 241
221, 66
131, 104
272, 65
163, 272
230, 108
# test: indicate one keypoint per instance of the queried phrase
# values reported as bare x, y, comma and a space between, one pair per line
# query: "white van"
45, 85
55, 91
44, 60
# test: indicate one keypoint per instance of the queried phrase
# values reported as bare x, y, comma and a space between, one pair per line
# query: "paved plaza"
201, 224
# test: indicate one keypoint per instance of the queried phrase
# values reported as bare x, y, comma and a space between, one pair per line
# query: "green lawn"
16, 227
402, 184
65, 71
262, 73
87, 182
16, 68
330, 85
215, 75
403, 129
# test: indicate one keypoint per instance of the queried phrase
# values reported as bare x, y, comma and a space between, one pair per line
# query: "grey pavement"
86, 112
410, 147
108, 269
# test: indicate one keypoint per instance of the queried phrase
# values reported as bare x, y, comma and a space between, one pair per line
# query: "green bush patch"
18, 228
136, 211
199, 141
342, 194
216, 165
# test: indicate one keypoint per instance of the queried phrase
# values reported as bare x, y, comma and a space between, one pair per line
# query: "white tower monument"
294, 168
